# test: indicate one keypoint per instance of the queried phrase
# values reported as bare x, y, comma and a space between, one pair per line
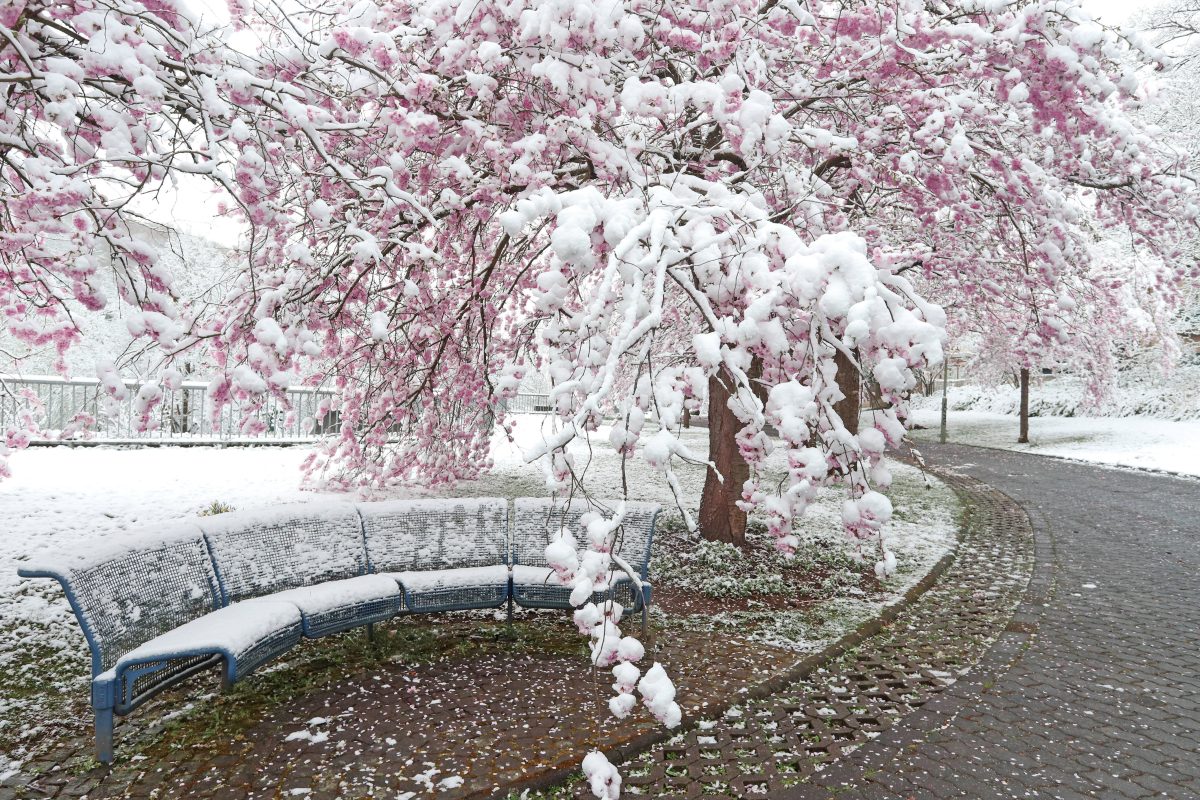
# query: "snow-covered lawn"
70, 499
1141, 442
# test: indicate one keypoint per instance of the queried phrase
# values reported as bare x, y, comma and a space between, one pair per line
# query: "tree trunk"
849, 381
687, 418
720, 518
1023, 438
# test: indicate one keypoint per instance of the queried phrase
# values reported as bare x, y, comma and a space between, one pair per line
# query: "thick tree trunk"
720, 518
849, 381
1023, 438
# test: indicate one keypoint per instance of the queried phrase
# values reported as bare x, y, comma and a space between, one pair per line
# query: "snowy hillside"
200, 267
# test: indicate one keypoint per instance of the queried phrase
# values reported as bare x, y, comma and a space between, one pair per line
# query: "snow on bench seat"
245, 634
339, 605
444, 589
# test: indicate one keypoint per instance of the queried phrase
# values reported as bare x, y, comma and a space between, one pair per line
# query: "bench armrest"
65, 581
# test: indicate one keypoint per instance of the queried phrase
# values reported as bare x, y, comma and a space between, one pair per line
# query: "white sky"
1114, 12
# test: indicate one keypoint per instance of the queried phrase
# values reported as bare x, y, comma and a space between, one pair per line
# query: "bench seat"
238, 589
339, 605
243, 636
454, 589
536, 587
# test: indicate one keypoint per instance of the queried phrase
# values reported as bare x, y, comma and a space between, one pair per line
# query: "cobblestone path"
769, 748
1094, 691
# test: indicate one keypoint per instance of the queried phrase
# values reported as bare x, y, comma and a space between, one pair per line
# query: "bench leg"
370, 631
104, 735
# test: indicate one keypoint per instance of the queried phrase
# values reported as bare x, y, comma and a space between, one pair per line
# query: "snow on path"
1142, 442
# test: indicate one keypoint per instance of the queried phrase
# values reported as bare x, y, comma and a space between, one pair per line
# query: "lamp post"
945, 404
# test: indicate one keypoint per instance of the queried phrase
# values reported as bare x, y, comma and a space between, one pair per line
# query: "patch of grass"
721, 570
561, 791
214, 508
44, 675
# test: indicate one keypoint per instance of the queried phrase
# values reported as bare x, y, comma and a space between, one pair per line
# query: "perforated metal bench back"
262, 552
405, 535
537, 519
131, 597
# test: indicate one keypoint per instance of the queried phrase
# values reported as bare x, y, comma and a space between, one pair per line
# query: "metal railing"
528, 404
184, 414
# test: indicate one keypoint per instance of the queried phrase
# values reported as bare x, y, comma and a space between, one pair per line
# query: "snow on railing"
525, 403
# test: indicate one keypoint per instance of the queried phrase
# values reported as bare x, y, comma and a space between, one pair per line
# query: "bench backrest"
417, 535
536, 520
156, 580
261, 552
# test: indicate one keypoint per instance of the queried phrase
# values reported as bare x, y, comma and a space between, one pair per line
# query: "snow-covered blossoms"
594, 571
603, 778
385, 156
778, 311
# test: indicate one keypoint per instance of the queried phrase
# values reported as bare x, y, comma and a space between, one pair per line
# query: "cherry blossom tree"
721, 200
1175, 27
374, 150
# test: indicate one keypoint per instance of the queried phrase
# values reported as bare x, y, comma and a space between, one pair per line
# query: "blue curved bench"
235, 590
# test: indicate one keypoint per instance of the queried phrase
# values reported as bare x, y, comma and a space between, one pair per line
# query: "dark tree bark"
850, 382
720, 518
1023, 438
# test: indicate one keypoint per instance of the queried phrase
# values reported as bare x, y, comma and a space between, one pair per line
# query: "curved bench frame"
174, 666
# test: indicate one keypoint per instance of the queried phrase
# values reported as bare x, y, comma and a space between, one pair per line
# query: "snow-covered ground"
1142, 442
63, 499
